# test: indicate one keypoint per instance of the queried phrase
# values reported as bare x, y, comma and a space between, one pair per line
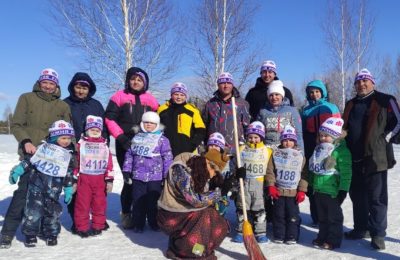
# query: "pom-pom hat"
332, 126
49, 74
216, 139
61, 128
364, 74
94, 122
288, 133
256, 128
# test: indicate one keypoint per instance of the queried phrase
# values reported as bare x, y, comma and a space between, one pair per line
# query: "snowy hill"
117, 243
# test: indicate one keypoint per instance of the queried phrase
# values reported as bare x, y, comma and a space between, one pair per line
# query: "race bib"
255, 161
144, 144
51, 159
316, 163
93, 157
288, 163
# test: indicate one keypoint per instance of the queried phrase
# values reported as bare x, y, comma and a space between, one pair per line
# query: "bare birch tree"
7, 115
116, 35
221, 42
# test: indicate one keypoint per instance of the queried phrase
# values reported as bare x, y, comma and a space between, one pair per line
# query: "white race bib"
316, 164
93, 157
143, 144
51, 159
288, 163
255, 161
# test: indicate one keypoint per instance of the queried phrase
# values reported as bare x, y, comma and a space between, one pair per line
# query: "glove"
124, 141
226, 186
109, 186
15, 173
127, 178
240, 173
329, 162
300, 196
341, 196
222, 205
273, 192
68, 191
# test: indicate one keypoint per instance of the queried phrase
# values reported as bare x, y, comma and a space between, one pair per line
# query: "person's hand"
127, 178
68, 191
329, 163
341, 196
240, 173
226, 187
29, 148
300, 196
109, 187
15, 173
273, 192
124, 141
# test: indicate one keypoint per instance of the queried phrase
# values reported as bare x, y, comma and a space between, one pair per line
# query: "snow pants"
90, 198
126, 193
286, 219
42, 205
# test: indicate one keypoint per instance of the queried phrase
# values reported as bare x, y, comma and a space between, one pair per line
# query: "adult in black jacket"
257, 96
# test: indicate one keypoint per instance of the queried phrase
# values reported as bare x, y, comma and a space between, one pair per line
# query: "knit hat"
49, 74
216, 139
332, 126
225, 77
179, 87
94, 122
289, 133
60, 128
150, 117
276, 86
364, 74
268, 65
219, 159
256, 128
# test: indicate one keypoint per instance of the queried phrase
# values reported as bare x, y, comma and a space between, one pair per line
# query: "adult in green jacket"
33, 115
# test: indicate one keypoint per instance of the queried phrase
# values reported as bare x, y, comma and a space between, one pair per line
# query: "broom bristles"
252, 247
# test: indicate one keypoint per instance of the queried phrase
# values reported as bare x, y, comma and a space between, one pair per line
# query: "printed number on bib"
47, 167
96, 164
141, 150
254, 168
317, 167
287, 175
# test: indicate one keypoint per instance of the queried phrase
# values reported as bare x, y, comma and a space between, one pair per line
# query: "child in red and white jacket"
95, 178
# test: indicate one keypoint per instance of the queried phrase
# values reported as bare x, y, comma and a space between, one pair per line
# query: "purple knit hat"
364, 74
216, 139
49, 74
256, 128
289, 133
179, 87
225, 77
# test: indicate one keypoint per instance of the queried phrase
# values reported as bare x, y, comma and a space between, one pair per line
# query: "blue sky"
290, 29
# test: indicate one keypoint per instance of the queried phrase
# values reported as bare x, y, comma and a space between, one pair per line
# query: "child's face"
314, 94
94, 132
253, 138
214, 147
178, 98
325, 138
136, 83
275, 99
287, 143
149, 127
64, 141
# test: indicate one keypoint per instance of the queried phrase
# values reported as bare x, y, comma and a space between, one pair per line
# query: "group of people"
182, 190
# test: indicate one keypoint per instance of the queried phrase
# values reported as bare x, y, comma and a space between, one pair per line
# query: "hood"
132, 71
55, 95
82, 76
321, 86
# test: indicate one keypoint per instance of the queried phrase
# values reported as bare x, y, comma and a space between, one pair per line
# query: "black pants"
71, 208
330, 219
286, 219
145, 196
15, 211
126, 193
369, 195
313, 207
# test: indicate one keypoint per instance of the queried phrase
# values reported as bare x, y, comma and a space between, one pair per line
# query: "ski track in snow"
117, 243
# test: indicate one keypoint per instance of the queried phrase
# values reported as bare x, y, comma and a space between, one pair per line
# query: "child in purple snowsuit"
146, 166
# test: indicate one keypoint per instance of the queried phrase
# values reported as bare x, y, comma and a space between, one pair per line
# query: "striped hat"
60, 128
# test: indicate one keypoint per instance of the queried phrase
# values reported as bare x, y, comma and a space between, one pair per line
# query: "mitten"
227, 186
329, 162
222, 205
68, 191
240, 173
15, 173
109, 186
127, 178
124, 141
273, 192
300, 196
341, 196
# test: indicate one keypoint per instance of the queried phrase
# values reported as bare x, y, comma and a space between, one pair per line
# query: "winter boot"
355, 234
73, 229
95, 232
138, 230
5, 241
126, 221
238, 238
262, 239
106, 226
378, 243
82, 234
290, 241
30, 241
51, 241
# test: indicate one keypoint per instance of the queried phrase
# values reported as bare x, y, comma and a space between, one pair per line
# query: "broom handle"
239, 164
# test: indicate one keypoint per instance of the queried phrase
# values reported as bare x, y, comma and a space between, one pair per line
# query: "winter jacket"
149, 168
126, 107
178, 194
275, 120
184, 126
257, 97
108, 169
314, 114
271, 179
218, 117
341, 178
81, 108
34, 114
368, 121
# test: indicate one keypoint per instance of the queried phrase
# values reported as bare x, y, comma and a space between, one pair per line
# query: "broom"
252, 247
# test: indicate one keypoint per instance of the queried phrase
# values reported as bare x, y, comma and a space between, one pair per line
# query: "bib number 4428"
47, 167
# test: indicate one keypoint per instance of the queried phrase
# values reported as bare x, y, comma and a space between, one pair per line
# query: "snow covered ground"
117, 243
